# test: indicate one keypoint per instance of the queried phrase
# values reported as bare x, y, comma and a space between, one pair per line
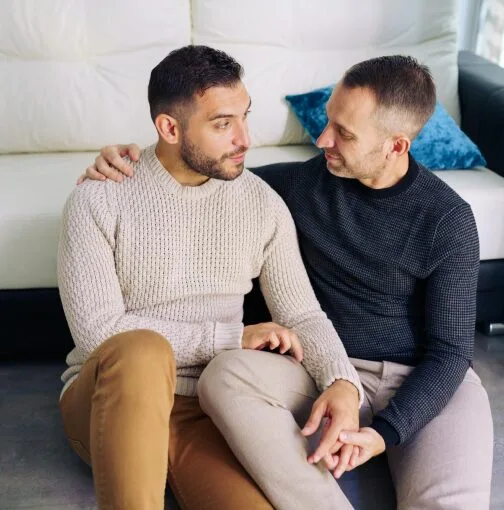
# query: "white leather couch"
74, 77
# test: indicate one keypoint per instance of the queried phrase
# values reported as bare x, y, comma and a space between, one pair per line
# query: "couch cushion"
35, 187
75, 77
292, 50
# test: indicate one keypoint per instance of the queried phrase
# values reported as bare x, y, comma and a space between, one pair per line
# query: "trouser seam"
100, 451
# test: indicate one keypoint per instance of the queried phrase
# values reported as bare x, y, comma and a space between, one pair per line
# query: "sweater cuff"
389, 433
340, 369
227, 336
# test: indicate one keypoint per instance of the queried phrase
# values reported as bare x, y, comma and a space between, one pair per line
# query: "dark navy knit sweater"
396, 271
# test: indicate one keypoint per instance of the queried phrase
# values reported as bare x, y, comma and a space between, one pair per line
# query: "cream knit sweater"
152, 254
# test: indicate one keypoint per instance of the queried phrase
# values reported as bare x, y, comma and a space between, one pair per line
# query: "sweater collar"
172, 185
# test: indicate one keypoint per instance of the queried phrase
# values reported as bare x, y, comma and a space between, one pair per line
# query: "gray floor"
38, 470
489, 364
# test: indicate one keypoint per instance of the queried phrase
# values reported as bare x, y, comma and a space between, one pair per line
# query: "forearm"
292, 303
192, 343
448, 343
325, 358
421, 397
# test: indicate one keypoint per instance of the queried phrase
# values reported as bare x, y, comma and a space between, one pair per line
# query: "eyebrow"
228, 115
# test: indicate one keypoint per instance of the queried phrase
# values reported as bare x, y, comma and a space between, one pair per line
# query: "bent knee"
139, 347
224, 373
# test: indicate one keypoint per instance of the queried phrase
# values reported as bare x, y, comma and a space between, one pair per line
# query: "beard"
368, 167
196, 160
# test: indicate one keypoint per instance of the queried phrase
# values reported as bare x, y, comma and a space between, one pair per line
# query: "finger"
327, 424
103, 167
81, 179
112, 157
345, 455
296, 348
354, 458
331, 461
134, 151
285, 340
354, 438
362, 458
328, 442
314, 420
93, 174
273, 340
337, 446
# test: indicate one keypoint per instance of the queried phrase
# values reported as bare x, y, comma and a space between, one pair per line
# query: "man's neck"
177, 168
390, 176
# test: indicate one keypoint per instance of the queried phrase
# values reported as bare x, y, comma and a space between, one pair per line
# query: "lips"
238, 158
331, 156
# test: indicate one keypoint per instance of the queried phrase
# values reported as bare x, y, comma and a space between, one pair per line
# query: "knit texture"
152, 254
396, 272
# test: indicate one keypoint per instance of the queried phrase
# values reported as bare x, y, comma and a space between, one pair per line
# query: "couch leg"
492, 328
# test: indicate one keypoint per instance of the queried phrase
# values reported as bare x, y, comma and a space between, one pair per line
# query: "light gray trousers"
259, 401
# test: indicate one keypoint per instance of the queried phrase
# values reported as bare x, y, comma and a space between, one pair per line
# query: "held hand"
272, 335
109, 163
340, 462
339, 404
366, 443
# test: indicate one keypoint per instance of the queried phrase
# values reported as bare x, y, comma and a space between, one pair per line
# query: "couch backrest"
74, 74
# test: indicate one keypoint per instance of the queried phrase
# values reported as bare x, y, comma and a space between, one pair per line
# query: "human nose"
242, 138
326, 139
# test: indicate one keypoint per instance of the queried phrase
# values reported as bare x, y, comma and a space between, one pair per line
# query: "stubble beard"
195, 160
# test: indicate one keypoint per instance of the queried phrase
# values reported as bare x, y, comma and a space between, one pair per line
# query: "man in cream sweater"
152, 275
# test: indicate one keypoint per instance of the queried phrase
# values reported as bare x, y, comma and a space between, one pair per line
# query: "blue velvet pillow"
441, 145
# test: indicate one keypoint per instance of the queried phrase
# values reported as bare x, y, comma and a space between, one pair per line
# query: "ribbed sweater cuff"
340, 369
389, 433
227, 336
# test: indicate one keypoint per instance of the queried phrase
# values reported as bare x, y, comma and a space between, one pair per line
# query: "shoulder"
265, 195
91, 198
266, 205
437, 205
436, 193
455, 227
285, 177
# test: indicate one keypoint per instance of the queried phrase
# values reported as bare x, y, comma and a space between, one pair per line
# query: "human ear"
398, 146
168, 128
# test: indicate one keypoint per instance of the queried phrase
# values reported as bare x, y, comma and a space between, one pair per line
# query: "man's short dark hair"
401, 85
188, 71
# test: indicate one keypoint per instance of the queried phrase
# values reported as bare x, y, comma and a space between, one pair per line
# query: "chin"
339, 171
236, 171
232, 173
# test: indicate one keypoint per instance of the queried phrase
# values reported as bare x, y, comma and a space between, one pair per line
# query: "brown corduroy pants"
122, 417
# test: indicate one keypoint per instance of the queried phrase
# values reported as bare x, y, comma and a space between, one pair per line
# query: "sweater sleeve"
292, 303
450, 314
91, 292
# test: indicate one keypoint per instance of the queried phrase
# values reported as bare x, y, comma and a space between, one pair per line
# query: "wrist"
343, 384
227, 336
385, 430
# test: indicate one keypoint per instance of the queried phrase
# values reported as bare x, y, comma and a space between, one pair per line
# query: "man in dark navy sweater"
393, 255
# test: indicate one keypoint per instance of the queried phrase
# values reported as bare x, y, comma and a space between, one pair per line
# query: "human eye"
344, 134
222, 125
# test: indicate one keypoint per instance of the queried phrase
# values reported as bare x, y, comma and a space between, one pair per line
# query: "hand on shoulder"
109, 164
